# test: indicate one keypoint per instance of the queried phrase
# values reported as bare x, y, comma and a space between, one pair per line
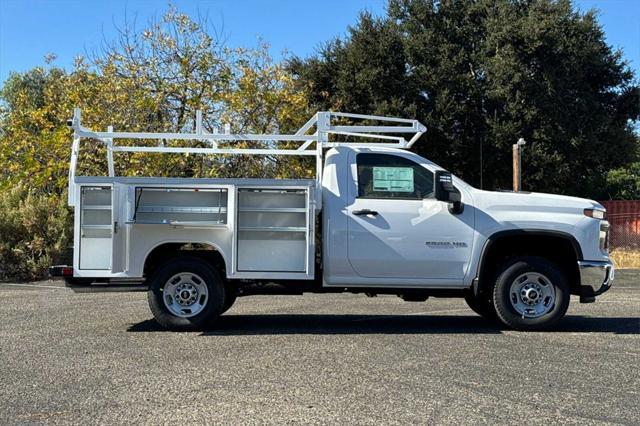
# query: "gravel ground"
101, 359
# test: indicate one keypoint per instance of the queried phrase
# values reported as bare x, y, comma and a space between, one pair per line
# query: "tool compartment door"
274, 231
95, 227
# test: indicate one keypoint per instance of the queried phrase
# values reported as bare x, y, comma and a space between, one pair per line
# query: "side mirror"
445, 191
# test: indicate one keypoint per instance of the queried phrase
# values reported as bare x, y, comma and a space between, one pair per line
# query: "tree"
34, 142
481, 74
149, 80
177, 66
624, 183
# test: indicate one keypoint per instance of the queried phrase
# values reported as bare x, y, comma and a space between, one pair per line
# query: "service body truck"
377, 219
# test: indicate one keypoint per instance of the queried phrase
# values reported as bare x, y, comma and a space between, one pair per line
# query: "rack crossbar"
229, 151
193, 136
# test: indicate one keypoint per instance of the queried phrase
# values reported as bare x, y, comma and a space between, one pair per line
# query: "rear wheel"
230, 297
531, 293
185, 294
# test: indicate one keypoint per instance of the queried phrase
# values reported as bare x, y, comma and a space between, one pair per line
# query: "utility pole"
517, 164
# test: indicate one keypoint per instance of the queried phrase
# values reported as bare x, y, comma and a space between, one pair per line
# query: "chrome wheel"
532, 295
185, 294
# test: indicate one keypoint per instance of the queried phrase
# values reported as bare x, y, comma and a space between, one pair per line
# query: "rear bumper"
94, 285
596, 277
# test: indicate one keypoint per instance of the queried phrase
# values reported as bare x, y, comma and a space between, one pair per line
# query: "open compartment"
181, 206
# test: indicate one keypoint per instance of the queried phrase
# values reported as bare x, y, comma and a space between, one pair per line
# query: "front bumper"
596, 277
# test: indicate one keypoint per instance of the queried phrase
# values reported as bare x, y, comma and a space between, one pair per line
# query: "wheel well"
563, 250
163, 252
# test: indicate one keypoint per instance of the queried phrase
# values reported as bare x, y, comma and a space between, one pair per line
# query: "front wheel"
482, 305
531, 293
185, 294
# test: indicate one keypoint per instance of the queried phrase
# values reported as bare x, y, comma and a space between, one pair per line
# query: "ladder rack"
313, 137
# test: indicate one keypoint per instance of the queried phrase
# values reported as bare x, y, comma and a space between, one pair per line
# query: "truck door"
396, 228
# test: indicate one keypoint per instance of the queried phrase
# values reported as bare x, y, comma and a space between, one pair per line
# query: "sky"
30, 29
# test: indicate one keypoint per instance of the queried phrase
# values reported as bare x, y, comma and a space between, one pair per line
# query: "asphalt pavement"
71, 358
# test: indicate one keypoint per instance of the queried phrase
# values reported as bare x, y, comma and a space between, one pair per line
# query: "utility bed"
266, 226
251, 229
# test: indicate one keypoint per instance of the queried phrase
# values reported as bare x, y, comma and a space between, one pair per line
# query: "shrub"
35, 232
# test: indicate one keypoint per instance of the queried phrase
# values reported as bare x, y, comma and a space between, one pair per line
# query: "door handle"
365, 212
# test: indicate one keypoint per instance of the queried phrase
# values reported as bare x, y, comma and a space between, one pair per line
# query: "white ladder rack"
313, 137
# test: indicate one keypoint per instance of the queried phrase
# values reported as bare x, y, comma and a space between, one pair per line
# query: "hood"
532, 201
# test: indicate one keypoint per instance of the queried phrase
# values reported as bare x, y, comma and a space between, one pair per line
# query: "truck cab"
383, 225
379, 219
386, 224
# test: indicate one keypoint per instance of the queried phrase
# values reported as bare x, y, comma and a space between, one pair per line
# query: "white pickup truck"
378, 219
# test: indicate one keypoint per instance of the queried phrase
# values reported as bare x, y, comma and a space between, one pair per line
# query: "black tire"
230, 297
482, 305
211, 309
502, 295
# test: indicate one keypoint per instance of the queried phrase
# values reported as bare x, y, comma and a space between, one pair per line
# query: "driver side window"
391, 176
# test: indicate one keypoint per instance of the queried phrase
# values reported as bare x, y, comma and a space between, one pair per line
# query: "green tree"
483, 73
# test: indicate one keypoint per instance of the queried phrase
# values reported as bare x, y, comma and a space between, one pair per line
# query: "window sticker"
393, 179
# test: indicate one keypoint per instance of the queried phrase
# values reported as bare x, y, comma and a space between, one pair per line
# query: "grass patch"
625, 258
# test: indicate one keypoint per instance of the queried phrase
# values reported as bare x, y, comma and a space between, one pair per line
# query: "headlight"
596, 213
604, 237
